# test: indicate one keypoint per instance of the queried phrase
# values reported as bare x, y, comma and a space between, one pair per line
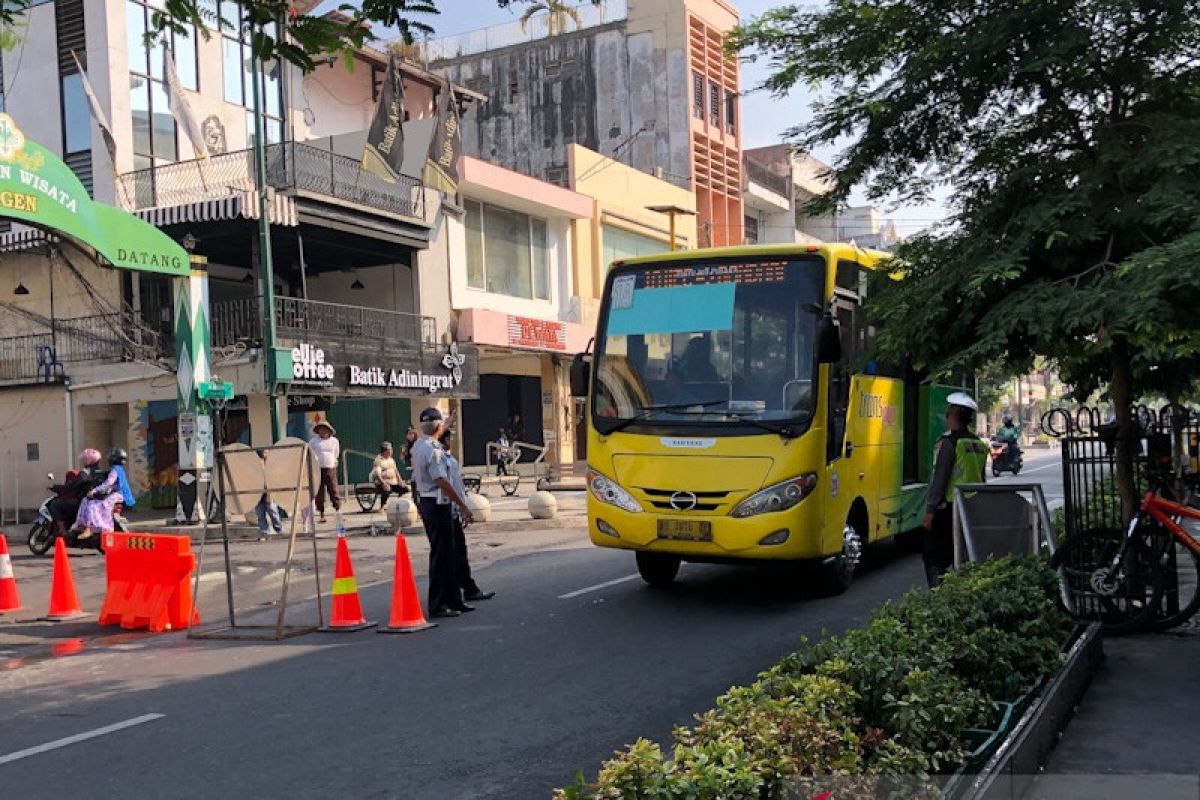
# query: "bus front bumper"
793, 534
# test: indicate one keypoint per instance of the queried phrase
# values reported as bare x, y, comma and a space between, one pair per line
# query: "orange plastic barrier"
149, 581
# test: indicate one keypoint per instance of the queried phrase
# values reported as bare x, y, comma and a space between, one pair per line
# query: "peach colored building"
512, 290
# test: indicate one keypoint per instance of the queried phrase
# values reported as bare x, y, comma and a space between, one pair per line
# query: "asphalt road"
573, 659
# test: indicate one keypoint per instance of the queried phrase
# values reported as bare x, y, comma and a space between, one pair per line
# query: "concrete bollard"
401, 513
543, 505
481, 508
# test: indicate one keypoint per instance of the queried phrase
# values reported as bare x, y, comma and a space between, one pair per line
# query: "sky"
764, 117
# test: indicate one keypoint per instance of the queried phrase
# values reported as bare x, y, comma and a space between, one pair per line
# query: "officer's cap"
962, 399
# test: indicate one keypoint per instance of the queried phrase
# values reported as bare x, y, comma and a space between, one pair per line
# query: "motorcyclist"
1010, 434
96, 510
65, 507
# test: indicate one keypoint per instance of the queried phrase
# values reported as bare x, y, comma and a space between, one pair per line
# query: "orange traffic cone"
346, 614
407, 616
9, 601
64, 603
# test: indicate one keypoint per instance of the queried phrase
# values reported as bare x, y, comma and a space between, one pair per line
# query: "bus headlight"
779, 497
607, 491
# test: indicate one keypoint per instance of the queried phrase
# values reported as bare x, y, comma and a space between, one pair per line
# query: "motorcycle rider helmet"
117, 456
1008, 420
89, 457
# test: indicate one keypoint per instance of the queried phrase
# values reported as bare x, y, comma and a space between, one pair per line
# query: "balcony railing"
241, 320
291, 167
767, 178
98, 339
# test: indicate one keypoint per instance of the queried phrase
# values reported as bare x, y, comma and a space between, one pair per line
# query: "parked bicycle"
1146, 577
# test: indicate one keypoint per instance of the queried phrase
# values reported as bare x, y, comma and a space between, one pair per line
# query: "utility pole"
266, 268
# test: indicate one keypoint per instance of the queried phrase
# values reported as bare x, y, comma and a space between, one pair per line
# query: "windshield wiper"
648, 411
787, 431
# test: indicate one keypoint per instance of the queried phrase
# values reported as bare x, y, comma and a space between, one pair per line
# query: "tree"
558, 14
303, 36
1069, 133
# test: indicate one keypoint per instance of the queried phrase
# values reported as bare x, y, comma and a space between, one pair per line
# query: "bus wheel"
657, 569
839, 570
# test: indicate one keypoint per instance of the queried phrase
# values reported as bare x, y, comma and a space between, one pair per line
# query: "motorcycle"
44, 531
1006, 457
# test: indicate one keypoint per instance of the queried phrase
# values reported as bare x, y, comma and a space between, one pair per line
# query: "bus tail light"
607, 491
779, 497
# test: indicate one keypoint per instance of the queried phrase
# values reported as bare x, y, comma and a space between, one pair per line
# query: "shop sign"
541, 334
38, 188
452, 362
309, 366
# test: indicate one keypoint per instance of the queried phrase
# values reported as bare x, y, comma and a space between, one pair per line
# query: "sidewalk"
508, 514
1136, 734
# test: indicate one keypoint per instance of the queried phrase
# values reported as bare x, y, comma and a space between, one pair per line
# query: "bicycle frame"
1164, 512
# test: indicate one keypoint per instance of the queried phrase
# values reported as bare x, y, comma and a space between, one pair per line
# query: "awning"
243, 205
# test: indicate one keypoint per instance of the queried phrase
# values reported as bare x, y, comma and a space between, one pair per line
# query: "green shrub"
888, 701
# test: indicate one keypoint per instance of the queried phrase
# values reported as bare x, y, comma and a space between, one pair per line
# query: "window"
149, 60
730, 112
751, 225
237, 76
154, 132
714, 105
619, 244
507, 252
77, 118
697, 95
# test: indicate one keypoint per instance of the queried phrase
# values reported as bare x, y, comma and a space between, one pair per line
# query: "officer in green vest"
959, 457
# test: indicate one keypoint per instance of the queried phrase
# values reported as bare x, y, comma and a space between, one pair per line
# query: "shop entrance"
499, 397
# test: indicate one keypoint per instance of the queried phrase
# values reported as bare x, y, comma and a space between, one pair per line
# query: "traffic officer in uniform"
436, 492
959, 457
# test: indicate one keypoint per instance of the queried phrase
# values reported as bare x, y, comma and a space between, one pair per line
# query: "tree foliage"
300, 37
1069, 134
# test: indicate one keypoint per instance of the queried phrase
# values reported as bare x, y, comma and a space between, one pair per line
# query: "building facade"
643, 82
356, 297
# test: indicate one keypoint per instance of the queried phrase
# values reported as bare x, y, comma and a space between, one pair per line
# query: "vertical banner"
383, 152
441, 168
192, 369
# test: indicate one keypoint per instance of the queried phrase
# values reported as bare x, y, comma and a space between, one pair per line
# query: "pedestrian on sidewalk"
959, 457
266, 510
385, 475
470, 589
432, 482
327, 450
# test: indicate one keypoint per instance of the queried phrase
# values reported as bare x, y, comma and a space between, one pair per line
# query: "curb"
1012, 768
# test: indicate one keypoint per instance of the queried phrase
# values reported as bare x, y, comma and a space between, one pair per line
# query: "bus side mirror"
829, 340
580, 375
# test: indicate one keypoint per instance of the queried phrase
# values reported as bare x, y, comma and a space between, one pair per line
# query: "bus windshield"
709, 343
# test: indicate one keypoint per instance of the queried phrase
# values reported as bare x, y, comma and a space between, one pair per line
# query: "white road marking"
79, 737
1028, 471
598, 586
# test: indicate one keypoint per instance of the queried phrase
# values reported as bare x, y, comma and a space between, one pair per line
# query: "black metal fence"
233, 321
100, 338
1163, 441
290, 166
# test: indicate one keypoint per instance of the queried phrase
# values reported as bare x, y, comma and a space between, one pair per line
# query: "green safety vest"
970, 464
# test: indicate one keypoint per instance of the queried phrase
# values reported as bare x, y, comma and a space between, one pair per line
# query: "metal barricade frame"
234, 630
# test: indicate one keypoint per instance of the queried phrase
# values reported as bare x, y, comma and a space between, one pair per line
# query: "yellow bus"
733, 417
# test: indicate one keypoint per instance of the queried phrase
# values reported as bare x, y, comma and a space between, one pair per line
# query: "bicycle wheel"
1180, 568
1122, 599
510, 483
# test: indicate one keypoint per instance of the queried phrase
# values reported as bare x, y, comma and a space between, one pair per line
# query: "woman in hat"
385, 475
327, 450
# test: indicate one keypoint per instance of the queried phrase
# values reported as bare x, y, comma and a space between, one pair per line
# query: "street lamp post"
265, 265
672, 211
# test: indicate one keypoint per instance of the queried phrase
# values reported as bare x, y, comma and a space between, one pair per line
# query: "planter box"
1004, 765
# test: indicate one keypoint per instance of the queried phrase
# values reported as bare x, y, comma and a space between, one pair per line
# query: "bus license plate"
698, 530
